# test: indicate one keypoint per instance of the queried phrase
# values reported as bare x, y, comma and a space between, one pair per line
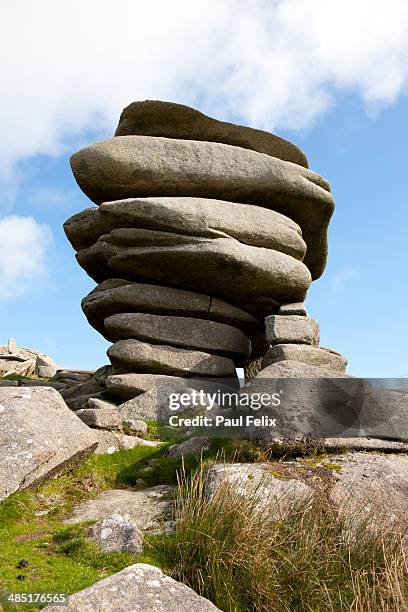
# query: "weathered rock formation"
202, 229
25, 362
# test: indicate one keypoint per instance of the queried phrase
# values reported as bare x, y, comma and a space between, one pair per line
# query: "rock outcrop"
25, 362
202, 229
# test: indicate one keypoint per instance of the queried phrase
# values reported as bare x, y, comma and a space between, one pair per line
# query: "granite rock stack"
202, 229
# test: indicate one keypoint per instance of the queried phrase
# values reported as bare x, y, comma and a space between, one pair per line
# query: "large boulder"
171, 120
251, 225
183, 332
142, 166
39, 437
164, 359
139, 587
317, 403
197, 263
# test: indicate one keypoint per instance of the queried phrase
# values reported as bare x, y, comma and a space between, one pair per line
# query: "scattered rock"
147, 508
138, 427
110, 442
137, 587
117, 533
193, 446
101, 418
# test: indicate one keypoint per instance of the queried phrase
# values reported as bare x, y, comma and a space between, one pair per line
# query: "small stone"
100, 418
292, 329
117, 533
293, 309
193, 446
136, 426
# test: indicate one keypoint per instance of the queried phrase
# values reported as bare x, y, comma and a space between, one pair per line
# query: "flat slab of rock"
197, 263
117, 295
143, 166
164, 359
39, 438
171, 120
255, 480
148, 509
372, 486
310, 355
182, 332
128, 386
292, 329
253, 226
139, 587
101, 418
293, 309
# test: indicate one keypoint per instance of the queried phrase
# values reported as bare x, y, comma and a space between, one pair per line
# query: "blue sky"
341, 97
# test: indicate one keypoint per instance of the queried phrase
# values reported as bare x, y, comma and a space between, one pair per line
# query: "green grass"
243, 559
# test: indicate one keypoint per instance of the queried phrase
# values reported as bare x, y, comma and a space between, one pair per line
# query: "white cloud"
70, 66
341, 279
24, 249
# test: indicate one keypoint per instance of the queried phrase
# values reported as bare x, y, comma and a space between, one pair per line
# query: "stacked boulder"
202, 229
15, 361
295, 337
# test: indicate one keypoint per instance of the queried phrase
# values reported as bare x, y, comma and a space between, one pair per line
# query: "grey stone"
94, 402
74, 376
139, 587
292, 329
255, 481
320, 357
317, 403
147, 508
117, 533
102, 373
183, 332
163, 359
197, 263
119, 296
372, 488
39, 438
128, 386
142, 166
100, 418
365, 444
171, 120
110, 442
25, 362
137, 426
253, 226
293, 309
77, 396
193, 446
8, 383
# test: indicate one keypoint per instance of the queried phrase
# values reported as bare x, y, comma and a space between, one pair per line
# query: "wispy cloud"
71, 66
23, 257
341, 279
